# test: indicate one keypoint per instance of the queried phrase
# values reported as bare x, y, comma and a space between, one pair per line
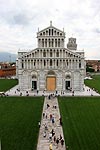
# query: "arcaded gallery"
53, 65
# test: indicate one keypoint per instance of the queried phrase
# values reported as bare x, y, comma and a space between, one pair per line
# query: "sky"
20, 20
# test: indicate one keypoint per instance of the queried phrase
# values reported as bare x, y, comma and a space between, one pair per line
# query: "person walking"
60, 121
53, 133
62, 142
50, 116
44, 134
39, 124
57, 142
60, 137
53, 121
43, 114
50, 137
50, 146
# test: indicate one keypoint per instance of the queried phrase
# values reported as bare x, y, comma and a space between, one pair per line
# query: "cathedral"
51, 66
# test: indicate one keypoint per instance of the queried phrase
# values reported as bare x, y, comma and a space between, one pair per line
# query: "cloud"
19, 21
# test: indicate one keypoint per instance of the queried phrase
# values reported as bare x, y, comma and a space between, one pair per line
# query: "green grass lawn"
94, 83
6, 84
81, 122
19, 118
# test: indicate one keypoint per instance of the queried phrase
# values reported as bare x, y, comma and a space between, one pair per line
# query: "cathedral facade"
51, 66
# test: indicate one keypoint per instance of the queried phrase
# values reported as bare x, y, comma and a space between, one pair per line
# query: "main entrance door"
51, 83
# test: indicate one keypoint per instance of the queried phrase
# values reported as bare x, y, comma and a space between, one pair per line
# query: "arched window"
22, 64
42, 42
52, 31
50, 62
43, 33
44, 63
33, 76
52, 42
79, 64
51, 72
49, 42
45, 42
46, 32
58, 42
57, 62
57, 33
57, 54
68, 76
44, 54
34, 62
49, 31
67, 62
50, 53
39, 40
55, 42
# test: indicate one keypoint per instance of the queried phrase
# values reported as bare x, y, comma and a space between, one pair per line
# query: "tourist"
53, 133
39, 124
55, 106
62, 142
44, 134
49, 97
27, 94
20, 94
53, 121
50, 137
50, 116
46, 128
60, 137
43, 115
48, 106
72, 93
56, 91
50, 146
60, 121
46, 116
57, 142
37, 91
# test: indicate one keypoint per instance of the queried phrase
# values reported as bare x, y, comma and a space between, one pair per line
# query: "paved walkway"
44, 142
87, 92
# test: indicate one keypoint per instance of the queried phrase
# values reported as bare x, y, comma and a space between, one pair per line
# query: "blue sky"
20, 19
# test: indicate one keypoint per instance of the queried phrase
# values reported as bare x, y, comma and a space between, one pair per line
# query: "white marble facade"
51, 66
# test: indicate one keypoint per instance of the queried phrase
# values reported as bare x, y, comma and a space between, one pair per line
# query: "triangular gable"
29, 52
51, 27
73, 53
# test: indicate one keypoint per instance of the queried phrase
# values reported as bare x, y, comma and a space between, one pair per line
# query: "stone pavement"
87, 92
44, 142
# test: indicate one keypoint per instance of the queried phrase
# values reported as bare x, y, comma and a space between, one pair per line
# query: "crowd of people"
49, 124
